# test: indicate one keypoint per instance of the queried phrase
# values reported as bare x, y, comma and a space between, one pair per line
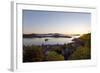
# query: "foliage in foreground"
54, 56
83, 52
80, 53
79, 49
33, 53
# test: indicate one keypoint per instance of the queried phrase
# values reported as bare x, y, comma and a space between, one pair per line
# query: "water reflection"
47, 41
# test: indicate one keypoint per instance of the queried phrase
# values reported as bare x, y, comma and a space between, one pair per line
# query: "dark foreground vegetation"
79, 49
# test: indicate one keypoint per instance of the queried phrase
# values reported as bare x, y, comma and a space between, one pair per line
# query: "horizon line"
57, 33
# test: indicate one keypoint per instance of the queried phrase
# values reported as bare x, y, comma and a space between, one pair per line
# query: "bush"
80, 53
33, 53
54, 56
87, 39
57, 49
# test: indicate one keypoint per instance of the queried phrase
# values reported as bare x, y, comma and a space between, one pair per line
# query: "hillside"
82, 52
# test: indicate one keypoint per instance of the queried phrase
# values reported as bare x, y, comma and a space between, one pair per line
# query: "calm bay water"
50, 41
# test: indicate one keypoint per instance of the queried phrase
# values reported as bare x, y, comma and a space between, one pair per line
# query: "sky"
35, 21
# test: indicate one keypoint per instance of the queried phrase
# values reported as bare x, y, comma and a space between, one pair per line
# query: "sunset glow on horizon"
35, 21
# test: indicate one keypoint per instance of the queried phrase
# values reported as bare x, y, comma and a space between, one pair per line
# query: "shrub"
80, 53
33, 53
54, 56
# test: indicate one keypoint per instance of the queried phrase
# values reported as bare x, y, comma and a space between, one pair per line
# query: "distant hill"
56, 35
